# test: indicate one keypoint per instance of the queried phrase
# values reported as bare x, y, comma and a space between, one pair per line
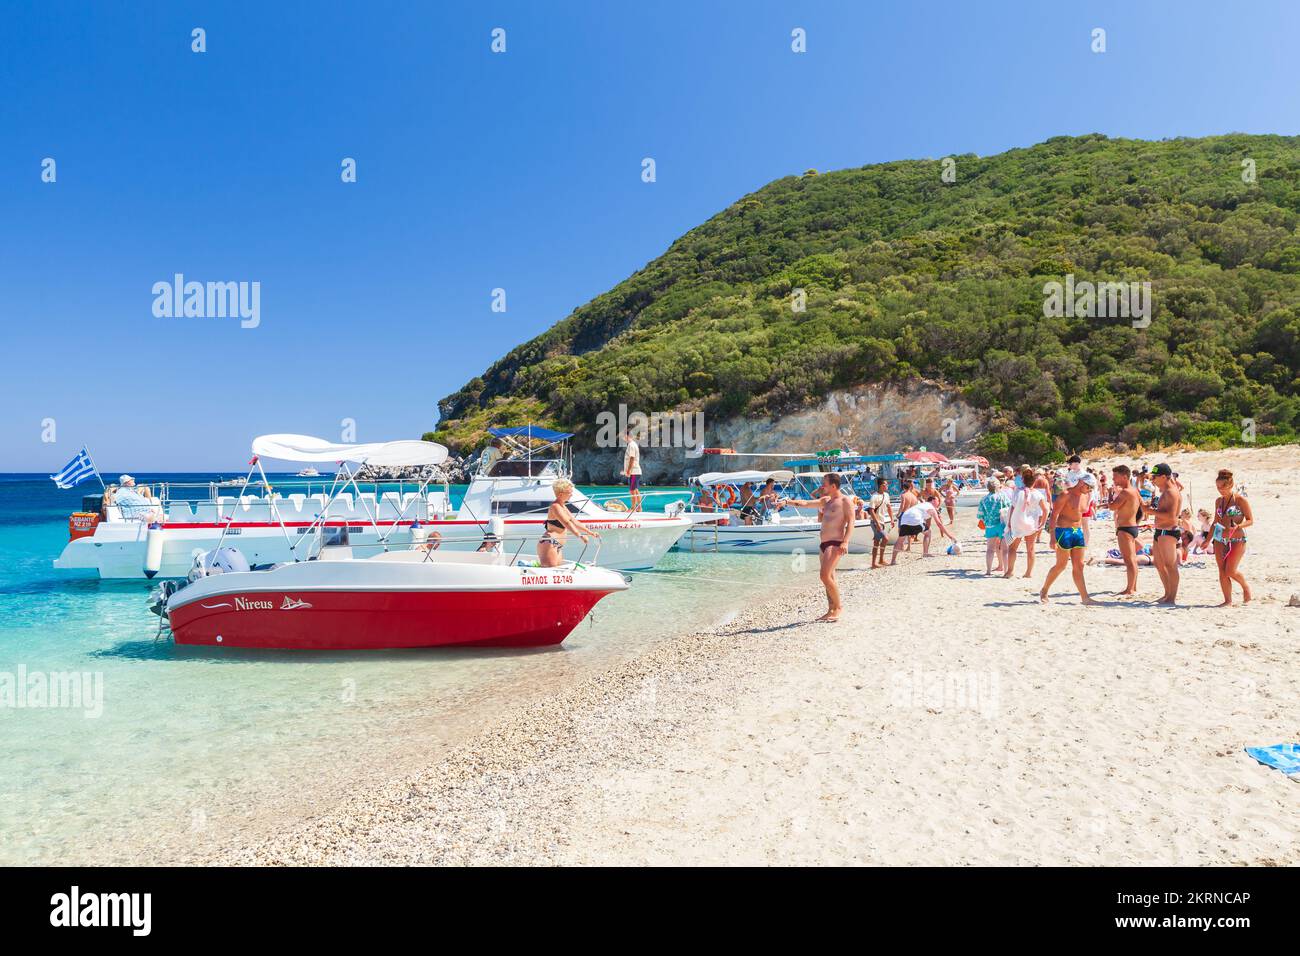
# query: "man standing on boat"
837, 528
632, 468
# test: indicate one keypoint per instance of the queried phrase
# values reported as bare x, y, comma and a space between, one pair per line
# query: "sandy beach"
948, 718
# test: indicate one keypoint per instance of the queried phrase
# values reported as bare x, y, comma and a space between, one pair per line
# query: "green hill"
906, 275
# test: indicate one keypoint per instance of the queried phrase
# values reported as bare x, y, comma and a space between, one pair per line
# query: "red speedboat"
392, 600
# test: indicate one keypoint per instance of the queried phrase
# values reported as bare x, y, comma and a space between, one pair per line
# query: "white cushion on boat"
205, 512
179, 511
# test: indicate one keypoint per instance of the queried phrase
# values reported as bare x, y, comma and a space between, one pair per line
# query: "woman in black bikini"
559, 520
1232, 516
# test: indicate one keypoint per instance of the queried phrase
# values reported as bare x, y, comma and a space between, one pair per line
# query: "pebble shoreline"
500, 798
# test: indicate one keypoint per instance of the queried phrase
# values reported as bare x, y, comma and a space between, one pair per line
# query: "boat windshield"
524, 468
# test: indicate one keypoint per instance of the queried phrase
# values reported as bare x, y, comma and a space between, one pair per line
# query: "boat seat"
416, 556
179, 511
205, 512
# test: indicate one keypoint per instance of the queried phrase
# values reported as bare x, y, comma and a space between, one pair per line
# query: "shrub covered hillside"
906, 275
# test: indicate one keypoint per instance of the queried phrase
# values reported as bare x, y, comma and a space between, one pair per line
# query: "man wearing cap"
132, 503
1067, 532
1164, 549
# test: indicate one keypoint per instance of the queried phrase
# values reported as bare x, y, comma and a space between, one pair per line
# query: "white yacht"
267, 527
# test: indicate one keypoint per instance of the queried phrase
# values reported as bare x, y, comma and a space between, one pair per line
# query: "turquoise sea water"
195, 746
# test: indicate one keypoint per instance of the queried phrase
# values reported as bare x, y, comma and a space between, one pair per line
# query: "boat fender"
153, 551
419, 535
727, 497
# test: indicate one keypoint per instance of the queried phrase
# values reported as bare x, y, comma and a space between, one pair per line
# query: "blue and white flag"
75, 471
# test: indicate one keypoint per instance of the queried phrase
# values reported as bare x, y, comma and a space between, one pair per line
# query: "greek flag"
75, 471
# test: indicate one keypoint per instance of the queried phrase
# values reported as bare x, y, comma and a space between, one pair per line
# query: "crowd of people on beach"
1057, 506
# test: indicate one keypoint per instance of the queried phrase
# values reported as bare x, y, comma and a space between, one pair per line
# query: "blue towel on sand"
1284, 757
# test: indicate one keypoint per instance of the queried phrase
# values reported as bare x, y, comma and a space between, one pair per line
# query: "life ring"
728, 493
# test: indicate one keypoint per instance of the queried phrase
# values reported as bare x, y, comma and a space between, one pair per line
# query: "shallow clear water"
196, 746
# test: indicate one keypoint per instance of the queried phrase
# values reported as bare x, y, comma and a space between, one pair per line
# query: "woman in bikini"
1232, 516
950, 500
559, 520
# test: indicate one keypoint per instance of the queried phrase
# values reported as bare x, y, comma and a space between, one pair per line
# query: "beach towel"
1284, 757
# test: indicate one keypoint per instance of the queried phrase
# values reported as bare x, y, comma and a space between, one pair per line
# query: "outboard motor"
159, 595
217, 561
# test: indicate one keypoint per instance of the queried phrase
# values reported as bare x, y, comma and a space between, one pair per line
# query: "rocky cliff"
871, 419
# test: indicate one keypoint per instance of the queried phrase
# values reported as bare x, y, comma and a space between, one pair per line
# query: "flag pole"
103, 486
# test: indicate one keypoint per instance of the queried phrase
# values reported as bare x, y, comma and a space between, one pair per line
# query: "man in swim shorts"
1067, 533
1125, 503
1168, 536
836, 510
877, 509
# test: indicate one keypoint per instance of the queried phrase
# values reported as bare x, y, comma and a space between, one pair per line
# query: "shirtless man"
1125, 502
837, 528
1067, 533
1164, 550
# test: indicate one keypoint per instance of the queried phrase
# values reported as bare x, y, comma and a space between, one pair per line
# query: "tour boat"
773, 532
398, 599
160, 540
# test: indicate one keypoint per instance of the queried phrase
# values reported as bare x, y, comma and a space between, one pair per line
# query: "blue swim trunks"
1067, 539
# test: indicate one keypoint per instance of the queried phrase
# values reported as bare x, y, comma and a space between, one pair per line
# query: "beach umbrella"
926, 456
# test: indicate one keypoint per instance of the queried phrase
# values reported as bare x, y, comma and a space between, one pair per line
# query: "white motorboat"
518, 490
771, 531
161, 540
397, 599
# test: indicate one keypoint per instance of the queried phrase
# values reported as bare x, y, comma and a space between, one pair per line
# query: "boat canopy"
304, 448
926, 457
740, 477
842, 462
530, 431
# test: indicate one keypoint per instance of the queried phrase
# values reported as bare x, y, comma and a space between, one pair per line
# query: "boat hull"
342, 620
377, 604
785, 538
117, 551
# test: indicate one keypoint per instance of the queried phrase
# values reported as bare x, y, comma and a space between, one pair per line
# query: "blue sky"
476, 171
